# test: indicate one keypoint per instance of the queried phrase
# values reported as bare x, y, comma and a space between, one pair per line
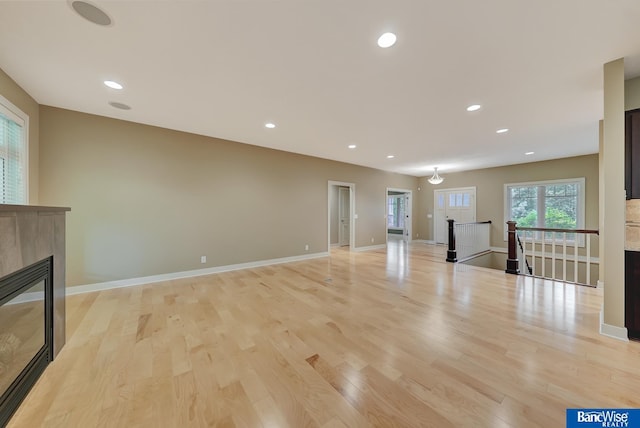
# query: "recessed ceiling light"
529, 153
352, 146
502, 131
121, 106
91, 13
474, 107
112, 84
390, 156
270, 125
387, 40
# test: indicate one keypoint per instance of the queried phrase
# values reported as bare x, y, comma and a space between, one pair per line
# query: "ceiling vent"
121, 106
91, 13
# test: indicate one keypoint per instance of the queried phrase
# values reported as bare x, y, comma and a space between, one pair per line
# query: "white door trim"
409, 209
352, 210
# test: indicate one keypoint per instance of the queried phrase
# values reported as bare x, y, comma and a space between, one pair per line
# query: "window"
557, 204
13, 154
459, 200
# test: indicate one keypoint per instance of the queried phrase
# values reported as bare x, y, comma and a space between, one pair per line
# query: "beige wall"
632, 94
490, 183
614, 193
147, 200
14, 93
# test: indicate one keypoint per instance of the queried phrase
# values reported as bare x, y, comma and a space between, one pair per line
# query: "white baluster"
533, 253
553, 255
564, 256
543, 256
575, 257
588, 238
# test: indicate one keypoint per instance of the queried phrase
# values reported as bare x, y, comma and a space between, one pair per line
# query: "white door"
344, 216
407, 217
457, 204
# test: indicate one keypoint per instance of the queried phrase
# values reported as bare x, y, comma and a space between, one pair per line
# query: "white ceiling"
224, 68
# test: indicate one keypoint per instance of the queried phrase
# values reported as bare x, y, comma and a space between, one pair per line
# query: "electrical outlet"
203, 259
306, 247
372, 239
417, 235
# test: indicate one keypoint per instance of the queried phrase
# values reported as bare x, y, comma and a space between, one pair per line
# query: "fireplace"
26, 332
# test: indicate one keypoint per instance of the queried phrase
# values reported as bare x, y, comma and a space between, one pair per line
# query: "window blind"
12, 158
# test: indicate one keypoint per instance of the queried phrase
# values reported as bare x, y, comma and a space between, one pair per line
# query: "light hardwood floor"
393, 337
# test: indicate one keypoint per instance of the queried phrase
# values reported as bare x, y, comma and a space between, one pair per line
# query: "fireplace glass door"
21, 332
26, 324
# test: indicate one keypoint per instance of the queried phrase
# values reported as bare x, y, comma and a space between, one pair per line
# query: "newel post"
451, 253
512, 256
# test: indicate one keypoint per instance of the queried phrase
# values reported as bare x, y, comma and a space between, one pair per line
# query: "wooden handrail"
475, 222
544, 229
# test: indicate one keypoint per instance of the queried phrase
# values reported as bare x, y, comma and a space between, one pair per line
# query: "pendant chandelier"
436, 179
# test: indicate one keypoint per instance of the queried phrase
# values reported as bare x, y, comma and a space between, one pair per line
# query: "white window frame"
580, 204
21, 118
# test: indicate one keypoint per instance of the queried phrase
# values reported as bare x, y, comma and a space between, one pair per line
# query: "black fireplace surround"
26, 332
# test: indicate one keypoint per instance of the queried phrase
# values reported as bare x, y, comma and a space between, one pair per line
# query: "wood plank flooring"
386, 338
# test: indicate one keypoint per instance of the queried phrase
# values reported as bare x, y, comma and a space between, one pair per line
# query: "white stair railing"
558, 254
471, 238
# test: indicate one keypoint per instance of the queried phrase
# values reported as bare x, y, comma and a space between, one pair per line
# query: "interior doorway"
399, 220
341, 214
458, 204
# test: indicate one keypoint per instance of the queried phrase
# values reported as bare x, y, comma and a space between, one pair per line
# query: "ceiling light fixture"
270, 125
435, 179
112, 84
91, 13
502, 131
352, 146
529, 153
474, 107
390, 156
387, 40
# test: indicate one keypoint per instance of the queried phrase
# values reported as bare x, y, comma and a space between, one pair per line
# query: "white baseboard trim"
423, 241
503, 250
370, 248
188, 274
335, 245
600, 284
615, 332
